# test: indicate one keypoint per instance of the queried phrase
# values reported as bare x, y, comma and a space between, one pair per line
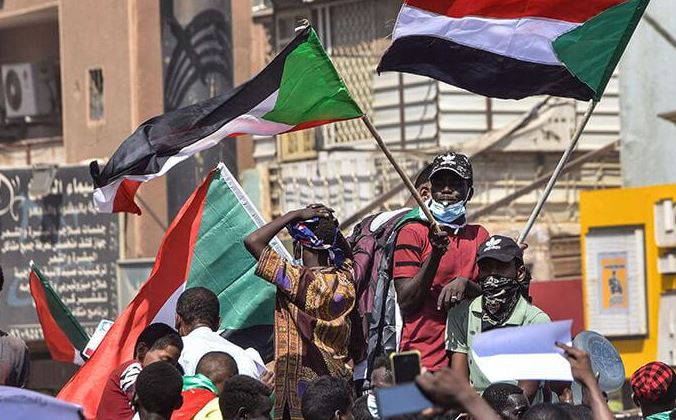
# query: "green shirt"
464, 323
665, 415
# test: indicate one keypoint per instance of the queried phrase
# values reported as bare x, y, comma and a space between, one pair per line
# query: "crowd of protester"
397, 283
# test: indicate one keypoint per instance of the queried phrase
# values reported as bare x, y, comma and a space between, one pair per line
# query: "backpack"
382, 320
367, 249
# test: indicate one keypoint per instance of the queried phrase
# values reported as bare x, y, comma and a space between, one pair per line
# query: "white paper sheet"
513, 353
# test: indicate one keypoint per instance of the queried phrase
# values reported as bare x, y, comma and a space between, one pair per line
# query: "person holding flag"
315, 296
434, 270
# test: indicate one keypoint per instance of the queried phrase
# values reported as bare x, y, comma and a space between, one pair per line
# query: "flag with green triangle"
63, 334
299, 89
203, 247
517, 48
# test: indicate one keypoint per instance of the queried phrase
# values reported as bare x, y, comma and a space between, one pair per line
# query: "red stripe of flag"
57, 342
311, 124
124, 197
171, 269
576, 11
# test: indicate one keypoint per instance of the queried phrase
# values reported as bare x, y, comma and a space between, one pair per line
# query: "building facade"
648, 97
77, 79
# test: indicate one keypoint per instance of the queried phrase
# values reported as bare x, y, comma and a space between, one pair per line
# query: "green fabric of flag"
591, 51
221, 263
311, 89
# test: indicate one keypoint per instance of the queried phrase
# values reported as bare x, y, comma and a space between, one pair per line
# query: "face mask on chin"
446, 214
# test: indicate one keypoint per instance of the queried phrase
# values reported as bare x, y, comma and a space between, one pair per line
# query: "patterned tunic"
312, 327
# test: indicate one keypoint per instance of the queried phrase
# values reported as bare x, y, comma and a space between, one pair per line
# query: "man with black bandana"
501, 276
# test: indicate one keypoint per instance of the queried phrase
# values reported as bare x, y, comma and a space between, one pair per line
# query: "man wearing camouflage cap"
434, 270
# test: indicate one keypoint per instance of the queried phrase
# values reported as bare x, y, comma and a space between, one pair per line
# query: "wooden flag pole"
402, 174
557, 171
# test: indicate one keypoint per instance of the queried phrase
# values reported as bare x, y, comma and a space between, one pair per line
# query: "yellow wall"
630, 207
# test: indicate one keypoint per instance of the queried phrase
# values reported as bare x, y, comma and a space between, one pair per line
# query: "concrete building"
77, 79
419, 117
632, 230
648, 97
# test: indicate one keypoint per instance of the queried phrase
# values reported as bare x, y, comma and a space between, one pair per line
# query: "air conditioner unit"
29, 89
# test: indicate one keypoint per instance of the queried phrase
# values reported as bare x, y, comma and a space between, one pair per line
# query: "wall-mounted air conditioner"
29, 89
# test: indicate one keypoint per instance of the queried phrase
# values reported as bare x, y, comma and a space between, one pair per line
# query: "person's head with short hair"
501, 272
654, 388
381, 374
158, 342
244, 397
327, 398
581, 412
548, 411
508, 400
218, 366
451, 179
197, 307
360, 410
423, 177
158, 391
423, 185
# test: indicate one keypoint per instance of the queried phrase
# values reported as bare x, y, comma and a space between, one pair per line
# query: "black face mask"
500, 296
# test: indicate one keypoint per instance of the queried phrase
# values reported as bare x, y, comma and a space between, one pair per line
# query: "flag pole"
557, 171
407, 181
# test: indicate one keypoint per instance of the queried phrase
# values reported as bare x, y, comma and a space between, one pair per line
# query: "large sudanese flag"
204, 246
63, 334
512, 49
299, 89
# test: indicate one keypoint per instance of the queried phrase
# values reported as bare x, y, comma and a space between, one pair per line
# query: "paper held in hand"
97, 337
529, 352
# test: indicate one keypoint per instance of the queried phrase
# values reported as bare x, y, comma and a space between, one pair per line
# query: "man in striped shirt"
434, 271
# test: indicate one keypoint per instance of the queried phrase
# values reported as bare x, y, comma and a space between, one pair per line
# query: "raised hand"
439, 241
312, 211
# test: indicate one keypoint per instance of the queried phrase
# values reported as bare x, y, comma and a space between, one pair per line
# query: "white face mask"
446, 214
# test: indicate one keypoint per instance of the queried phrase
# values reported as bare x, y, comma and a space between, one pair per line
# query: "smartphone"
405, 366
400, 400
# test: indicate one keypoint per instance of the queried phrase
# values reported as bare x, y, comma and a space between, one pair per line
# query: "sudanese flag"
203, 246
299, 89
512, 49
63, 334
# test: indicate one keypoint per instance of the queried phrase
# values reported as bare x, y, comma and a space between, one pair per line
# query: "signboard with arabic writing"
75, 247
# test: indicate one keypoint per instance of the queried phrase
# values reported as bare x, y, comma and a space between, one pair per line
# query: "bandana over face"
500, 296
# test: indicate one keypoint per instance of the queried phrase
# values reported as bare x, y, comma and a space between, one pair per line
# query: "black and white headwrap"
500, 296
